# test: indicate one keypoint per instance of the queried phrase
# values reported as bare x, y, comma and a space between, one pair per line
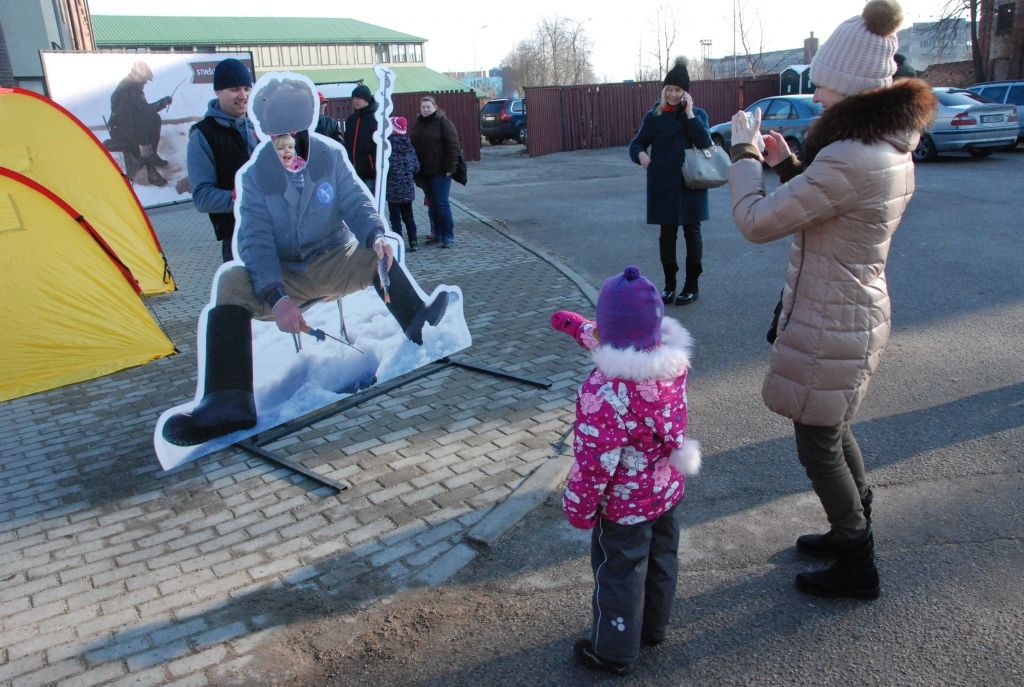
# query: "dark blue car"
504, 119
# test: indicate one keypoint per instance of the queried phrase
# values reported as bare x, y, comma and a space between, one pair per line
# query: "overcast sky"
462, 36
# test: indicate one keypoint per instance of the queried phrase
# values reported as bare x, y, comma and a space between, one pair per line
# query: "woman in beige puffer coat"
842, 202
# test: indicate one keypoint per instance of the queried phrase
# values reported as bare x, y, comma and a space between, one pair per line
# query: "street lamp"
476, 66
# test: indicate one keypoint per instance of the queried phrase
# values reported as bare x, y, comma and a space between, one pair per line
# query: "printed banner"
141, 106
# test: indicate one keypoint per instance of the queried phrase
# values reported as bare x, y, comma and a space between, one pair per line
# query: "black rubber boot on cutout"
405, 304
228, 404
853, 575
825, 545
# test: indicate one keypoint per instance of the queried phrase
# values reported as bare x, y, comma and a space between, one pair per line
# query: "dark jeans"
635, 569
402, 212
436, 189
832, 459
667, 251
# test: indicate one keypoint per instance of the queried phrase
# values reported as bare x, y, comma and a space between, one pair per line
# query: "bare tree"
642, 70
656, 61
751, 35
946, 29
557, 55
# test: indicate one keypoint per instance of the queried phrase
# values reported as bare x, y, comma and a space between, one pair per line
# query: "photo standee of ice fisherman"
308, 233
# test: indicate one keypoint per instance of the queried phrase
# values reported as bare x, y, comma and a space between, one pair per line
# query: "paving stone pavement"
115, 572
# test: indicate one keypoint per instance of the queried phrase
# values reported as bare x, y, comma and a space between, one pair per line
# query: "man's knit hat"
362, 91
678, 75
230, 73
858, 56
629, 311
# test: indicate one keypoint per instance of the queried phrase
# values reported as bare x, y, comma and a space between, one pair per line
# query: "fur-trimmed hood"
897, 115
667, 361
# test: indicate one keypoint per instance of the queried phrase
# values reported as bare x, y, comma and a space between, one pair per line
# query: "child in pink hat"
632, 455
403, 165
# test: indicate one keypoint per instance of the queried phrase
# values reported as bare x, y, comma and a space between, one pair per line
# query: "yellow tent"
48, 144
70, 310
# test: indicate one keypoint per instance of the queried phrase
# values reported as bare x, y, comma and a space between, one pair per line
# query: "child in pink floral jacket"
631, 457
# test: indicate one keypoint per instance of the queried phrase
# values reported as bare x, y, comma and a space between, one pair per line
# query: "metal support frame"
255, 445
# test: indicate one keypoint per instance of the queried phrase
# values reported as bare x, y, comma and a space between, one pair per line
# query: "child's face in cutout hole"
285, 147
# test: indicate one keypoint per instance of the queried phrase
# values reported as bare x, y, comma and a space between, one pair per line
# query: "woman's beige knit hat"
857, 57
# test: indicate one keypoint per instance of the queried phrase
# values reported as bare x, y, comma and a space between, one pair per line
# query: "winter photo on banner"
316, 304
140, 105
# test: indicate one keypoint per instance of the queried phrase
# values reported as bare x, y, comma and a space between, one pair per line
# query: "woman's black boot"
690, 291
853, 575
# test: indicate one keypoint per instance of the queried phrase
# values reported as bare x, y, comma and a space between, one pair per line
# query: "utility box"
795, 79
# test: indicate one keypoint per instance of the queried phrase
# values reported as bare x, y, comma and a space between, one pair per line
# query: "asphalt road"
941, 430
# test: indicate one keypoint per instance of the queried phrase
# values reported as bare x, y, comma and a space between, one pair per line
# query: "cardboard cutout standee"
308, 236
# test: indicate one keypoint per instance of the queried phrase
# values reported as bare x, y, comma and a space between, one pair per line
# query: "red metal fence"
563, 118
460, 107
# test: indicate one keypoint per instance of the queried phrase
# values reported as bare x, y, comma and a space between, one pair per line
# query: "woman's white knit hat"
858, 56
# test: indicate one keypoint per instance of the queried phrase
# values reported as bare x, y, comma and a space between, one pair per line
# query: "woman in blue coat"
659, 147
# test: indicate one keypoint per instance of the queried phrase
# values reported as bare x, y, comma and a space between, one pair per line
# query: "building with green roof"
326, 50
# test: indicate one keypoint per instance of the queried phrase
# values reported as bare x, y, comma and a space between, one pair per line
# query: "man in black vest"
219, 145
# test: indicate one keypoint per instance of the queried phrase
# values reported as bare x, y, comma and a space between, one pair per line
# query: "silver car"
966, 121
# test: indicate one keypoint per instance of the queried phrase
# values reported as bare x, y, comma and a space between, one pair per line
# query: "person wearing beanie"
666, 132
306, 233
135, 125
218, 146
903, 68
841, 201
358, 137
403, 166
437, 146
632, 458
327, 125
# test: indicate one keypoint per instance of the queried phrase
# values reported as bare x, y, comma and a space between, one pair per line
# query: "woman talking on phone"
667, 131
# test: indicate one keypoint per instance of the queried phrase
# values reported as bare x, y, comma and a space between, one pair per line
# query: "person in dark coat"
403, 165
135, 124
329, 126
903, 69
437, 146
666, 132
359, 128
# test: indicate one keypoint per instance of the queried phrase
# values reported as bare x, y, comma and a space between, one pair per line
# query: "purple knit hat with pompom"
629, 311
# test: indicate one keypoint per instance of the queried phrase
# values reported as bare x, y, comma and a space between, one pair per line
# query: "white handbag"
706, 167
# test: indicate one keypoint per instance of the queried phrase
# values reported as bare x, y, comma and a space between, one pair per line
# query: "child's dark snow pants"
634, 584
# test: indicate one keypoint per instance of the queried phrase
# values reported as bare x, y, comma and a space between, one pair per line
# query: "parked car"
966, 121
788, 114
1006, 93
504, 119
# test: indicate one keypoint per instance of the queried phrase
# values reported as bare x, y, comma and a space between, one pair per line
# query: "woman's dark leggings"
667, 249
832, 459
